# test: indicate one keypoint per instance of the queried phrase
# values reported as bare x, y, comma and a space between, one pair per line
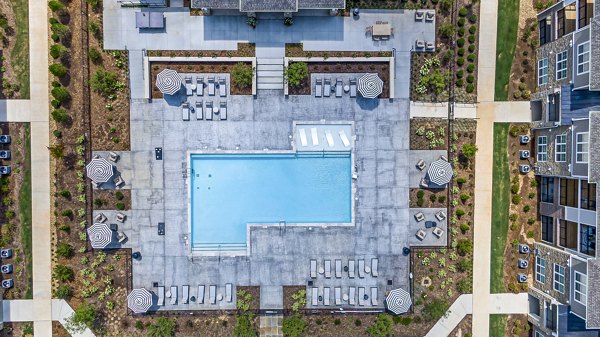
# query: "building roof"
327, 4
268, 5
593, 295
216, 4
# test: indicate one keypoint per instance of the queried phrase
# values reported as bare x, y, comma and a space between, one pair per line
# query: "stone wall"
552, 256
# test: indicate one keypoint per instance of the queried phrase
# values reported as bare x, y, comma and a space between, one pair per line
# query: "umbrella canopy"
440, 172
398, 301
139, 300
168, 81
100, 170
100, 235
370, 85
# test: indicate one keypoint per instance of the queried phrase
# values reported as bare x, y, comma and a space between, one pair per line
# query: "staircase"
269, 73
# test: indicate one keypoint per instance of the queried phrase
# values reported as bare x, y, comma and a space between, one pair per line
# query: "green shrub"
464, 247
526, 208
95, 55
464, 228
162, 327
120, 206
381, 327
9, 214
83, 317
469, 150
57, 50
63, 292
470, 78
460, 61
119, 195
104, 82
64, 250
94, 3
67, 212
470, 88
459, 82
463, 12
446, 30
294, 326
530, 221
55, 37
471, 68
460, 42
471, 38
514, 189
60, 115
98, 202
516, 199
471, 48
465, 286
471, 57
461, 180
433, 198
473, 18
63, 273
530, 234
465, 265
442, 199
53, 20
533, 183
243, 327
337, 321
139, 325
242, 75
61, 94
60, 30
472, 29
464, 197
460, 73
461, 33
460, 212
420, 194
58, 70
95, 29
358, 322
56, 6
296, 73
461, 22
435, 310
513, 217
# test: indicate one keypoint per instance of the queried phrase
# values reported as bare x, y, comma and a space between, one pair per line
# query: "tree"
83, 317
469, 150
63, 292
63, 273
162, 327
435, 309
104, 82
294, 326
57, 151
296, 72
58, 70
464, 247
382, 326
60, 115
56, 6
64, 250
446, 30
61, 94
243, 327
58, 50
95, 55
61, 30
242, 75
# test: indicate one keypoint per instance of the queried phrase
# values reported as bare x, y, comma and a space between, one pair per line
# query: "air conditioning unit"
524, 168
524, 139
523, 248
523, 264
522, 278
524, 154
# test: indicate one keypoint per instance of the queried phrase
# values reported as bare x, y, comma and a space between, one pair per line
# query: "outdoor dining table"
382, 29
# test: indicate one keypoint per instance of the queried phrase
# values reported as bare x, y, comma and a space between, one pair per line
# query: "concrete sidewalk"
458, 310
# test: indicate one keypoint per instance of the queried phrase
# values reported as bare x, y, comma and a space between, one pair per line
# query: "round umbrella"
370, 85
440, 172
398, 301
139, 300
168, 81
99, 170
100, 235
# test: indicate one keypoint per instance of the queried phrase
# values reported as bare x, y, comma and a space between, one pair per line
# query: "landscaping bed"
431, 198
197, 67
15, 191
522, 72
463, 329
17, 329
381, 68
112, 199
297, 50
14, 49
428, 134
243, 50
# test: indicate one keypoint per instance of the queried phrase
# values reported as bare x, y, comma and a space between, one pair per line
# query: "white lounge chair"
185, 294
314, 300
353, 87
315, 136
303, 140
419, 15
339, 88
327, 268
374, 300
338, 295
361, 296
173, 295
212, 294
199, 86
223, 110
200, 298
338, 268
326, 295
374, 267
185, 111
329, 137
361, 268
352, 296
318, 87
161, 296
344, 138
209, 111
199, 110
222, 87
351, 269
228, 292
313, 268
188, 86
429, 16
211, 86
327, 88
420, 44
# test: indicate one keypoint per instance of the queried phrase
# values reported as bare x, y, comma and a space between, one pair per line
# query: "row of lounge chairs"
427, 45
351, 268
212, 85
318, 296
202, 296
315, 137
204, 111
427, 15
324, 89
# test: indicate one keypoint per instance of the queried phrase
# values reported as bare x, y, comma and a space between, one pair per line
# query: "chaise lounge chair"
200, 298
361, 268
173, 292
319, 87
313, 268
161, 296
339, 88
188, 86
374, 267
212, 294
185, 294
344, 138
353, 87
326, 295
329, 137
338, 268
314, 298
199, 110
351, 269
222, 87
223, 110
228, 292
352, 296
361, 296
199, 86
374, 301
211, 86
185, 111
327, 88
314, 136
327, 268
303, 140
209, 111
338, 295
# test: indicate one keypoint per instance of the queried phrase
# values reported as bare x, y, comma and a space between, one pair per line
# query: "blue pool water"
228, 191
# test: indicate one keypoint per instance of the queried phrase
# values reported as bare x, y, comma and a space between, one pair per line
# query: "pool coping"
250, 226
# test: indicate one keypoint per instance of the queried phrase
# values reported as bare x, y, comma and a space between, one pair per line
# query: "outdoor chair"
338, 268
361, 268
429, 16
161, 296
100, 217
188, 86
420, 44
199, 86
337, 293
430, 224
120, 217
313, 268
319, 87
438, 232
419, 216
114, 157
173, 294
352, 296
430, 46
339, 88
369, 30
212, 293
327, 268
314, 300
228, 292
119, 181
421, 234
185, 111
442, 157
361, 296
419, 15
185, 294
440, 215
222, 87
223, 110
211, 86
326, 296
353, 87
421, 165
121, 237
200, 297
209, 111
374, 301
351, 271
424, 183
96, 156
327, 88
199, 110
374, 267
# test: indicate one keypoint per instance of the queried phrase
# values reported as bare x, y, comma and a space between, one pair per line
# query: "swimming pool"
229, 191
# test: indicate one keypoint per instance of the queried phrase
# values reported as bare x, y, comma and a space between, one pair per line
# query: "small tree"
294, 326
57, 151
464, 247
58, 70
83, 317
296, 72
382, 326
242, 75
62, 31
435, 310
61, 94
243, 327
446, 30
57, 50
60, 115
63, 273
56, 6
162, 327
469, 150
104, 82
64, 249
63, 292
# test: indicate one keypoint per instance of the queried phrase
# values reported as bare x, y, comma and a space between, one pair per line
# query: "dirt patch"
381, 68
522, 75
112, 199
196, 67
243, 50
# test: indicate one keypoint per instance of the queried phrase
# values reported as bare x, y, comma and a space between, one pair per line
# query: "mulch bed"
438, 126
10, 87
522, 76
381, 68
110, 201
465, 326
427, 198
255, 292
297, 50
196, 67
17, 329
288, 291
517, 326
243, 50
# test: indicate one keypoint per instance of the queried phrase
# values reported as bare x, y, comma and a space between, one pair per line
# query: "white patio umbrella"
370, 85
100, 235
100, 170
139, 300
398, 301
440, 172
168, 81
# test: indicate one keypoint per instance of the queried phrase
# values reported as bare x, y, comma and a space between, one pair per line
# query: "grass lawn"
508, 24
500, 207
25, 209
497, 325
19, 57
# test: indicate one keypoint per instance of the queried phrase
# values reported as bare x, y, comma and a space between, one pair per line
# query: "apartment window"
580, 288
542, 148
545, 30
560, 22
560, 147
586, 12
587, 239
543, 71
561, 65
581, 147
538, 334
547, 228
559, 278
588, 196
540, 269
583, 58
569, 192
567, 234
547, 189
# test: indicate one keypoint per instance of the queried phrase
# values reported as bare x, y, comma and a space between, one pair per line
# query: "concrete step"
269, 73
274, 67
278, 60
269, 86
269, 79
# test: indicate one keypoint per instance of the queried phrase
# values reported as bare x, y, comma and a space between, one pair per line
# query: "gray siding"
578, 126
552, 256
581, 267
579, 38
550, 167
